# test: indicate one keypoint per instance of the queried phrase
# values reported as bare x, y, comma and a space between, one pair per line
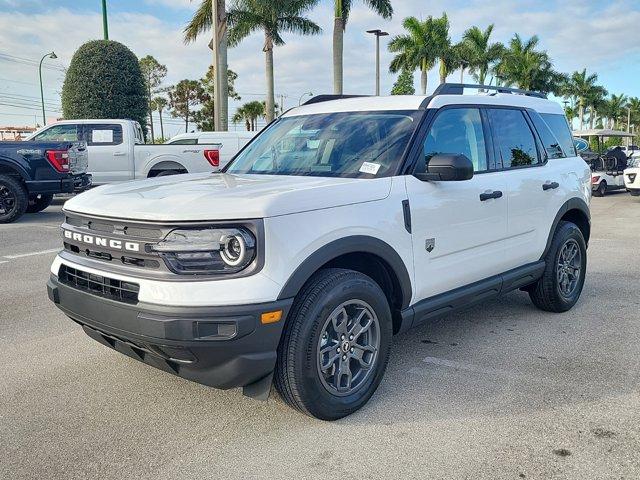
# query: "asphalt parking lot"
498, 391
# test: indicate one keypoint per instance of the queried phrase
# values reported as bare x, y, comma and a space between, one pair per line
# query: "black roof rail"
458, 89
328, 98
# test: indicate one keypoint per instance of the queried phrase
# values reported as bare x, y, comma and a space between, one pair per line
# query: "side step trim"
461, 297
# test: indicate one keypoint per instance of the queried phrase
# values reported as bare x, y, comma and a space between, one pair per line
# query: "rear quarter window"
103, 134
559, 126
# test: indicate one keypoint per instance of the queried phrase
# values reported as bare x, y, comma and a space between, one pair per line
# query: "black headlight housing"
211, 250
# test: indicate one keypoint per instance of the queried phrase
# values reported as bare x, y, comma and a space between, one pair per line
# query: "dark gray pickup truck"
32, 172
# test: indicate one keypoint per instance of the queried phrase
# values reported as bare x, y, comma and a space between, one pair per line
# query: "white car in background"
229, 143
117, 151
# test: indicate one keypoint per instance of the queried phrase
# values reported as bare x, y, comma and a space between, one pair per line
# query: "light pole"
105, 26
50, 55
304, 95
378, 33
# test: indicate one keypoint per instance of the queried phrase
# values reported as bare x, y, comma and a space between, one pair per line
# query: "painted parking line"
29, 254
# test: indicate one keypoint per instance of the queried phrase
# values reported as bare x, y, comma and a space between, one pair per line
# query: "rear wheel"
601, 191
566, 263
13, 199
336, 345
37, 203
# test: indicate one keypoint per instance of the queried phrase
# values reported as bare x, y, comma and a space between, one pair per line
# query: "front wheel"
561, 284
336, 345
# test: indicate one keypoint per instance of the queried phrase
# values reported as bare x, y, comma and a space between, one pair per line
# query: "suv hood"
221, 196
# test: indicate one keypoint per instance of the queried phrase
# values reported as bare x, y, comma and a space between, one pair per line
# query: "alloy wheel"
348, 347
569, 268
7, 200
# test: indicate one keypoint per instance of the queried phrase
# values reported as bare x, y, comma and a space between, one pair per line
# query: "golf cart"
607, 167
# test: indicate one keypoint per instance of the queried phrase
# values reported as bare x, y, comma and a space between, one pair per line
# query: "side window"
185, 141
58, 133
103, 134
560, 127
514, 139
550, 142
458, 131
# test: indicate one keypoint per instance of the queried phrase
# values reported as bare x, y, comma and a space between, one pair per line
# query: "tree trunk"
161, 126
423, 80
268, 54
224, 81
581, 115
338, 42
461, 74
443, 71
593, 117
186, 122
151, 117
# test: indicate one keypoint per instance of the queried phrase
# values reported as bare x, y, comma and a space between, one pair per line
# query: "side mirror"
447, 168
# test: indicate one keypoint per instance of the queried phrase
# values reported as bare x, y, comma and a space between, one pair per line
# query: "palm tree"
342, 8
274, 18
249, 114
159, 104
202, 22
634, 106
414, 50
528, 68
615, 108
481, 53
446, 53
583, 87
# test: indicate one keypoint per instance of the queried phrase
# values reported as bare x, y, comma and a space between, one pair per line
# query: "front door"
458, 233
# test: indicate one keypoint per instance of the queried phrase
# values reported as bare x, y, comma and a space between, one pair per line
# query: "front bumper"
223, 347
634, 191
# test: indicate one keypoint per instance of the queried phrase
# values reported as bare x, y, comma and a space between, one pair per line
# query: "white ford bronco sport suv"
344, 222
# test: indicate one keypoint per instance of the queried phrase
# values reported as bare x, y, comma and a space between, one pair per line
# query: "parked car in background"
32, 172
229, 143
632, 180
117, 151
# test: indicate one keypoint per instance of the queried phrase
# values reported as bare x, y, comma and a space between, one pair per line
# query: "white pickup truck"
117, 151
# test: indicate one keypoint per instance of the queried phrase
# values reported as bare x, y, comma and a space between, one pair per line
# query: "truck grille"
99, 285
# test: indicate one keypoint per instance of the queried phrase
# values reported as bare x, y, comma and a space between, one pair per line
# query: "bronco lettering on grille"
102, 241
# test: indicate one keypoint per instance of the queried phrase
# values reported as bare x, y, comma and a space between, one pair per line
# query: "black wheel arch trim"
343, 246
19, 169
571, 204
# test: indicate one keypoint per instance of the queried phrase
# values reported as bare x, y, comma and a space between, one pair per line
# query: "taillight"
213, 157
595, 179
59, 159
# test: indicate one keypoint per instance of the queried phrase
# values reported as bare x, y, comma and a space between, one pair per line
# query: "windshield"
348, 144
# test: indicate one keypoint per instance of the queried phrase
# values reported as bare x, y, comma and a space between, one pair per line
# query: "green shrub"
104, 81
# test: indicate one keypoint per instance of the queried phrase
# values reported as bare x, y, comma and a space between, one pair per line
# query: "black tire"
14, 199
601, 191
37, 203
547, 293
166, 173
298, 376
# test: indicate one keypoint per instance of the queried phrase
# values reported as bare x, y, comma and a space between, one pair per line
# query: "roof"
416, 102
601, 132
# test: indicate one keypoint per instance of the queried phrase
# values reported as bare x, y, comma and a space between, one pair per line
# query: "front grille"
99, 285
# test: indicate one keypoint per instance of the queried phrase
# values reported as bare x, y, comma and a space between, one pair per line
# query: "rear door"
532, 182
458, 237
110, 158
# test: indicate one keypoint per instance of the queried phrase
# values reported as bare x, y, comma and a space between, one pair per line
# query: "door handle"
489, 195
550, 186
119, 154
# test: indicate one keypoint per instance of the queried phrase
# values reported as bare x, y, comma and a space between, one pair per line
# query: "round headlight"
233, 249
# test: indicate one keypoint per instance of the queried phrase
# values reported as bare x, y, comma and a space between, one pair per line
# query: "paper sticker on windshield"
368, 167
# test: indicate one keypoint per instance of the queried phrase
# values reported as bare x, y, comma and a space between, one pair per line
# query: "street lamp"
378, 33
50, 55
304, 95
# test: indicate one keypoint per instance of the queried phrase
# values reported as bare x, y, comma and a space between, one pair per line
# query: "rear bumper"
71, 184
222, 347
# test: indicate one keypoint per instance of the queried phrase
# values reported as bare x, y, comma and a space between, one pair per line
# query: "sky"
602, 36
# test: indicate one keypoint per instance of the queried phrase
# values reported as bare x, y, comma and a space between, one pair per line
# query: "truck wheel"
336, 345
164, 173
601, 191
566, 263
13, 199
37, 203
